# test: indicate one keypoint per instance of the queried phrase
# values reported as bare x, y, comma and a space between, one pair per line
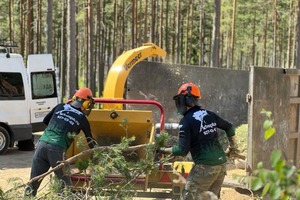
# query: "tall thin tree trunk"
10, 20
161, 24
275, 35
216, 35
178, 32
90, 50
122, 27
294, 42
39, 28
146, 21
63, 63
22, 26
101, 42
71, 49
232, 39
297, 62
201, 34
115, 29
133, 25
186, 39
153, 20
174, 40
191, 34
291, 17
139, 10
265, 38
49, 25
253, 39
167, 26
29, 28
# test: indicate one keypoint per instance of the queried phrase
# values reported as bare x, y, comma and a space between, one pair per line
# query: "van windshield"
43, 85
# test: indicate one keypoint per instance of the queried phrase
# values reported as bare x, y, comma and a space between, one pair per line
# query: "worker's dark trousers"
46, 156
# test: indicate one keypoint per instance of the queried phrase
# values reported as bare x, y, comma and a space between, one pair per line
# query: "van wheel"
4, 140
26, 145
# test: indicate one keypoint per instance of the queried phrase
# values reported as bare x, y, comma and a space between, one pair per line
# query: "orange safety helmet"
189, 89
187, 96
85, 96
84, 93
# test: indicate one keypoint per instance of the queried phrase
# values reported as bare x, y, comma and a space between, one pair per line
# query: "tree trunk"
22, 27
39, 28
178, 32
122, 32
174, 39
167, 34
49, 25
63, 63
289, 45
101, 44
188, 29
275, 35
115, 28
29, 28
216, 35
161, 24
232, 39
201, 34
71, 49
153, 20
91, 71
265, 39
297, 63
253, 39
133, 26
146, 22
10, 20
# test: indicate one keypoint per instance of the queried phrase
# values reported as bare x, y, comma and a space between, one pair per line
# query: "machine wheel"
4, 140
26, 145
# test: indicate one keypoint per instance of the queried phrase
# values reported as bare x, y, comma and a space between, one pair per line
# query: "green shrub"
241, 137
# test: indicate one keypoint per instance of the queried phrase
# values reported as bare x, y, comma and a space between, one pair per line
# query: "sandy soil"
16, 164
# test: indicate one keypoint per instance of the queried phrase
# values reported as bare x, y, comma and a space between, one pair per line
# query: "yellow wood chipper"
165, 182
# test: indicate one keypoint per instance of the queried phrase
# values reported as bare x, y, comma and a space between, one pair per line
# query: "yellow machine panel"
108, 127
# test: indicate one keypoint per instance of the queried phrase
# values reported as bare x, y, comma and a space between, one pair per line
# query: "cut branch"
81, 154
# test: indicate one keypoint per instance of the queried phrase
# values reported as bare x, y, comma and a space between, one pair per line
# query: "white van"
27, 94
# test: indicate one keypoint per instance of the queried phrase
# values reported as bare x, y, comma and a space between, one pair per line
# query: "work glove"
233, 150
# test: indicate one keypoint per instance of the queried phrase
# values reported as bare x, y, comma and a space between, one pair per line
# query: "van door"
43, 89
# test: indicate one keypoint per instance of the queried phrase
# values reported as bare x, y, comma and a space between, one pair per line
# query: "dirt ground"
15, 164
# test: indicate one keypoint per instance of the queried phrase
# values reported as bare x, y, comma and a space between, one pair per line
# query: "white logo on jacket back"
205, 128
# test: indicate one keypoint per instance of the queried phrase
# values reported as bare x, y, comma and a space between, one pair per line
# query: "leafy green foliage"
283, 180
268, 125
116, 162
82, 164
14, 192
162, 140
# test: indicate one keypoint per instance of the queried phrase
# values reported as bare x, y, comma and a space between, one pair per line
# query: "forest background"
86, 36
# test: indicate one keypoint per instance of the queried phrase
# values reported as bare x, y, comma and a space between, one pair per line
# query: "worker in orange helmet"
63, 122
198, 135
